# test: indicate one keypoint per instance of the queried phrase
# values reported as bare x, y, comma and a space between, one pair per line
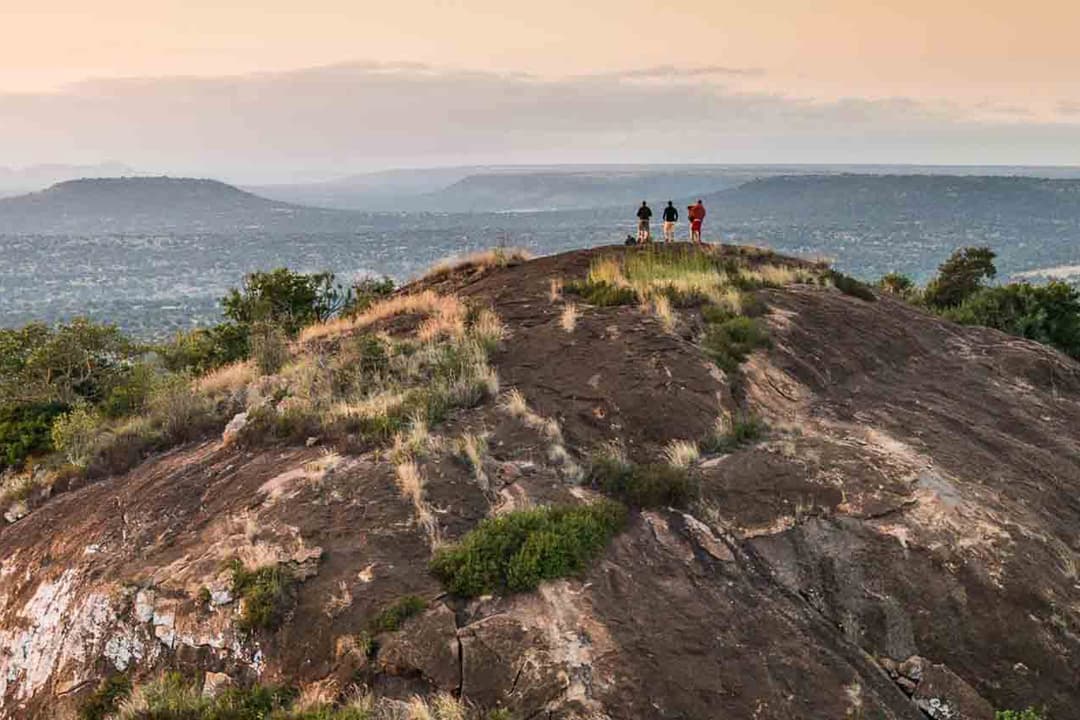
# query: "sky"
273, 91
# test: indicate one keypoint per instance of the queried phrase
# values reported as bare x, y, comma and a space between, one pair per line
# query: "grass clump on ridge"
731, 433
642, 486
106, 698
266, 593
172, 697
393, 616
731, 341
515, 552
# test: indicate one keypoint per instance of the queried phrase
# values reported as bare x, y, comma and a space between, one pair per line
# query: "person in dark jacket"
671, 216
644, 215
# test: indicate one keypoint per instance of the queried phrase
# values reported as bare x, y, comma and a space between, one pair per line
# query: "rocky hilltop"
836, 506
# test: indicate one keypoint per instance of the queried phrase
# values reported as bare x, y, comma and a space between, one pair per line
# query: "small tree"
896, 284
77, 360
76, 434
960, 277
286, 298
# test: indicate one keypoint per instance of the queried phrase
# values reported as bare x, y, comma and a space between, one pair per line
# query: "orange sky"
1003, 56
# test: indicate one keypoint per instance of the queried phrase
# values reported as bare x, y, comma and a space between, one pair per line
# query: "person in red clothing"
697, 217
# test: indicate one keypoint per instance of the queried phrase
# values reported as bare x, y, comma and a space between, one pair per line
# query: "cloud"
1067, 107
359, 116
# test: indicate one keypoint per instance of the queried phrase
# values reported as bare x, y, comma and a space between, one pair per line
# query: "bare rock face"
942, 695
428, 645
902, 543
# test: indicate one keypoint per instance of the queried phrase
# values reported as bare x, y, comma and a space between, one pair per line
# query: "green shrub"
269, 347
62, 364
601, 293
742, 430
26, 431
730, 342
516, 551
172, 697
1028, 714
204, 349
106, 698
77, 434
367, 292
644, 486
392, 617
897, 284
267, 593
1049, 313
850, 286
960, 277
291, 300
131, 392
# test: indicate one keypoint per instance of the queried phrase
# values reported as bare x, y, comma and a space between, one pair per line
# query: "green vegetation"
601, 293
897, 284
366, 292
850, 286
732, 433
392, 617
172, 697
201, 350
288, 299
960, 277
106, 698
26, 431
1048, 313
1028, 714
516, 551
642, 486
731, 341
267, 592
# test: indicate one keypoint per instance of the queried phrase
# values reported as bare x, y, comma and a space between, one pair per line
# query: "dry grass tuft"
472, 448
514, 404
316, 696
488, 329
226, 380
661, 308
483, 260
410, 483
568, 319
447, 310
555, 289
681, 453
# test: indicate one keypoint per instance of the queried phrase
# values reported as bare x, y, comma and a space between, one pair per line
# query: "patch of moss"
516, 551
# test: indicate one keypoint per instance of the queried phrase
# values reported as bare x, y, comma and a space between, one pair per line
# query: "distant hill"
149, 204
896, 198
16, 181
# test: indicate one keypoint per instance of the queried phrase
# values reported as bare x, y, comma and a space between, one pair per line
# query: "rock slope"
903, 542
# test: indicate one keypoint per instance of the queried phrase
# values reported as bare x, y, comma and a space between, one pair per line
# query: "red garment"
697, 212
695, 225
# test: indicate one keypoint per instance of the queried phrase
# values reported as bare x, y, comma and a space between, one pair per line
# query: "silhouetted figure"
697, 217
644, 215
671, 216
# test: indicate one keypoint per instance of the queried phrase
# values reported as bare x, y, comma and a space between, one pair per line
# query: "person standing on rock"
644, 215
697, 218
671, 216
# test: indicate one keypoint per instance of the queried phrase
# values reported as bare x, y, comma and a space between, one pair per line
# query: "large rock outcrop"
903, 543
